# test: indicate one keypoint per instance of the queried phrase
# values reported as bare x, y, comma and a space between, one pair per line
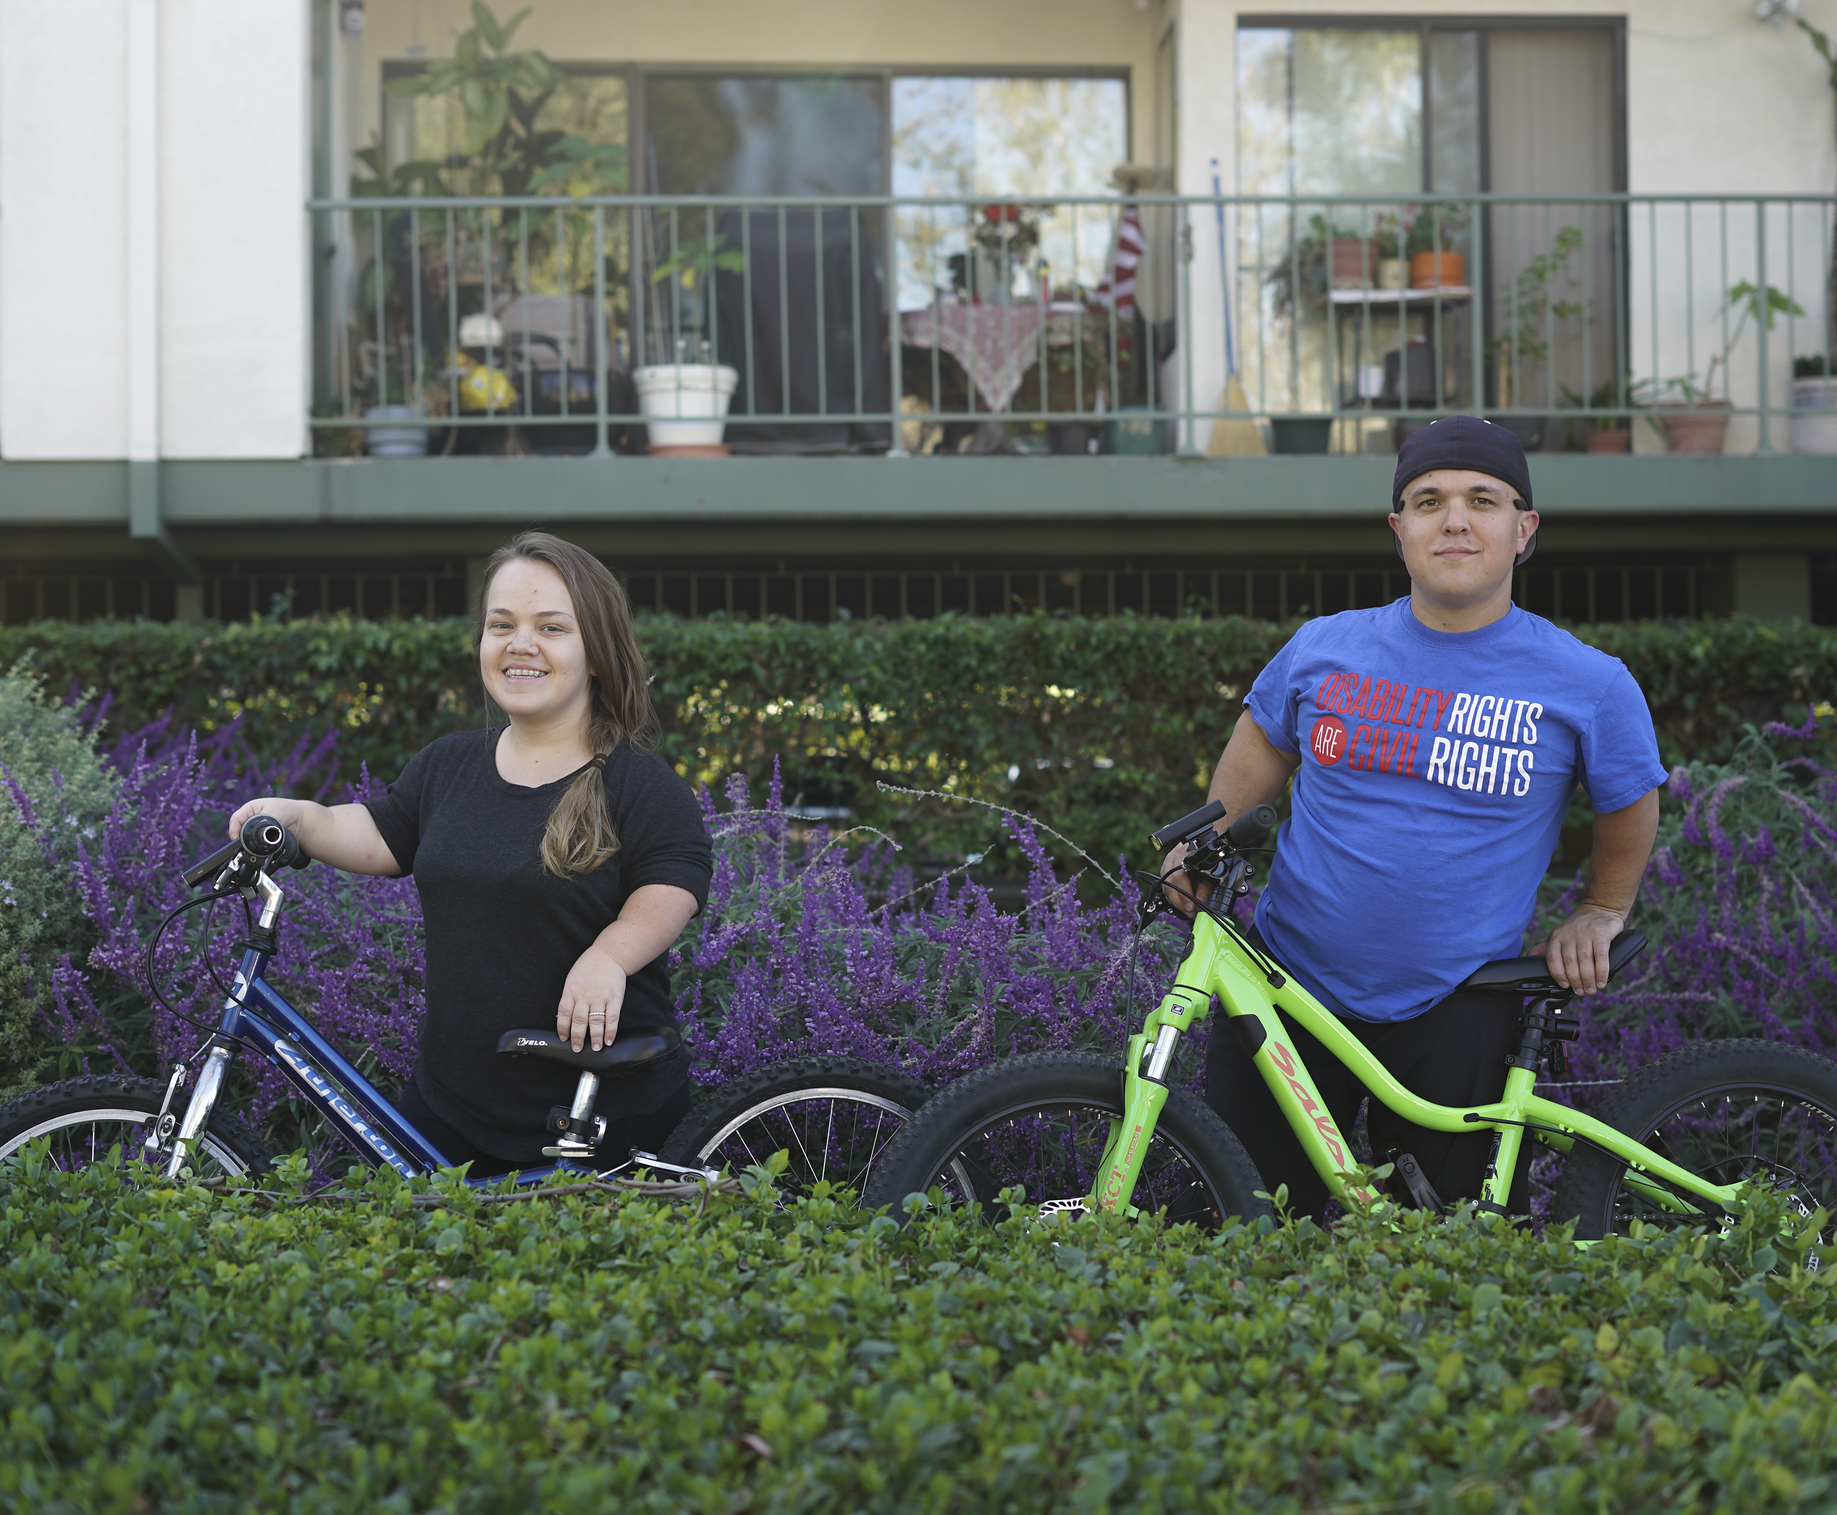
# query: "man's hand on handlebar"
1172, 889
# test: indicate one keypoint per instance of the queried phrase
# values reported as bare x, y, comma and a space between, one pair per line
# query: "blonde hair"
580, 835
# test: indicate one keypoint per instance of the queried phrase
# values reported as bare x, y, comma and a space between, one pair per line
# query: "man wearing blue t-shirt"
1434, 745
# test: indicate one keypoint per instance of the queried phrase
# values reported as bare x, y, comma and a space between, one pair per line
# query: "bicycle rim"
828, 1134
1053, 1148
81, 1140
1738, 1135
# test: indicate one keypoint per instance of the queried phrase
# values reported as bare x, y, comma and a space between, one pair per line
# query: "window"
1393, 109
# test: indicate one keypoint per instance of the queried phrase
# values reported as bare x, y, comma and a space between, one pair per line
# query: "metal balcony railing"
1065, 323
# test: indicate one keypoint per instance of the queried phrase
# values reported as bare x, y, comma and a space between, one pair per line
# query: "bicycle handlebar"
263, 840
1245, 831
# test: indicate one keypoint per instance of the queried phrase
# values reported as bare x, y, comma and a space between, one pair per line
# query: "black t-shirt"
503, 932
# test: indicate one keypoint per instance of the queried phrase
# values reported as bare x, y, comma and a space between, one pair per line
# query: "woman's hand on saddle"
591, 1000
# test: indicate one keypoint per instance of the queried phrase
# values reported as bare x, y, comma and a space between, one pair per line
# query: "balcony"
1084, 328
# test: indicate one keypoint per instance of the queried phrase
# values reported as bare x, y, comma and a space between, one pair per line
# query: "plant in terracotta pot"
1540, 309
1697, 421
1429, 232
1610, 428
1327, 254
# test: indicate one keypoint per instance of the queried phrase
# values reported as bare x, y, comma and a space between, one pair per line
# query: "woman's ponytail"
580, 835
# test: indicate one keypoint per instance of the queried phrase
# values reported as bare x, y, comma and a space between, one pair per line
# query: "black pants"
633, 1133
1452, 1054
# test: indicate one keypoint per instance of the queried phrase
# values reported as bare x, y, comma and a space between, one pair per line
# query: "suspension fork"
1145, 1072
203, 1102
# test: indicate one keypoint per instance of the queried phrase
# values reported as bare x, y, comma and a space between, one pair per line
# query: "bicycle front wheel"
1042, 1121
82, 1118
1731, 1111
834, 1117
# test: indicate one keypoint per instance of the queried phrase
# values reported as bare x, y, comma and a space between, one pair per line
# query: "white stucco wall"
235, 163
63, 230
231, 311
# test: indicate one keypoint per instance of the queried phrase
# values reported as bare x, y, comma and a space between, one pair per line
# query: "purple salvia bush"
1740, 904
812, 944
809, 947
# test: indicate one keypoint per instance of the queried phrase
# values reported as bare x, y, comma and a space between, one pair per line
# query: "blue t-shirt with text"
1436, 768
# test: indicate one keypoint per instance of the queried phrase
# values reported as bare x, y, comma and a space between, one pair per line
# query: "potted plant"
1327, 256
1540, 306
1610, 428
1698, 422
1814, 404
1387, 231
1427, 232
684, 400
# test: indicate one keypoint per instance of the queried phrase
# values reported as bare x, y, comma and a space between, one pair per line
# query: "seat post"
585, 1092
1537, 1025
579, 1132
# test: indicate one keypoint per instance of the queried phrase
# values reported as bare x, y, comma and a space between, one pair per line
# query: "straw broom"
1234, 436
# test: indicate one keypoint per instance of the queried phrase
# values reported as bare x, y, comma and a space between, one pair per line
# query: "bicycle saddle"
1529, 975
626, 1051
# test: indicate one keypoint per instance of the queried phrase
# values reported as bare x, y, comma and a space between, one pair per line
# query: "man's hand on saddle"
591, 999
1577, 950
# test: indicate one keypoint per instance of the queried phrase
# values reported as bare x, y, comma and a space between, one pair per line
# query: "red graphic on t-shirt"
1329, 740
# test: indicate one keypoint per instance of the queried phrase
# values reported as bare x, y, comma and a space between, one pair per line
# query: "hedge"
1098, 726
173, 1350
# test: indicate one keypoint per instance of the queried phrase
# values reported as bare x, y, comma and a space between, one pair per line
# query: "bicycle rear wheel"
84, 1117
1042, 1121
1731, 1111
833, 1116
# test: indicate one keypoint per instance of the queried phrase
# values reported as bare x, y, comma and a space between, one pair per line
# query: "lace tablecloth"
996, 344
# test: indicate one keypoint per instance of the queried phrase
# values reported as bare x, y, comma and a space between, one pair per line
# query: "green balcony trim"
911, 491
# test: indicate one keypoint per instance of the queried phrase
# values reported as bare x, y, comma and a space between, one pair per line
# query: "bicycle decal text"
342, 1107
1284, 1060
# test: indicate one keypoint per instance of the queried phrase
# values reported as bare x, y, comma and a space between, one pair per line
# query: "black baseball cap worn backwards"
1465, 442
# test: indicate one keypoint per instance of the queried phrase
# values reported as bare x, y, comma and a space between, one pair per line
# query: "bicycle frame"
256, 1012
1220, 962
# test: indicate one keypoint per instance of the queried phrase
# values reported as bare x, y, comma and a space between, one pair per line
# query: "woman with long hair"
556, 858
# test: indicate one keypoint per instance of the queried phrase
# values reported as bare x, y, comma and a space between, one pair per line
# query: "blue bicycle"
835, 1117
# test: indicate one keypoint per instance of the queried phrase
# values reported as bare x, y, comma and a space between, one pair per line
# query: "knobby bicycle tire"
835, 1117
1040, 1121
1727, 1110
85, 1117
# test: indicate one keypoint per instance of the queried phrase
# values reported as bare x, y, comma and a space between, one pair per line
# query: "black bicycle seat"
1530, 975
627, 1051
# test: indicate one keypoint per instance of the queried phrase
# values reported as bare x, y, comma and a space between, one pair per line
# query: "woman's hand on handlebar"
345, 836
288, 812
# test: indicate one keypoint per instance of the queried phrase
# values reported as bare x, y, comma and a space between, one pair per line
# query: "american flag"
1120, 279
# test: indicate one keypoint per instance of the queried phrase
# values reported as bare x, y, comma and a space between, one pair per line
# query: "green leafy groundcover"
172, 1350
1103, 727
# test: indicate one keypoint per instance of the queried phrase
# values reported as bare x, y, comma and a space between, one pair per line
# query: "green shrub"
171, 1350
1101, 727
57, 793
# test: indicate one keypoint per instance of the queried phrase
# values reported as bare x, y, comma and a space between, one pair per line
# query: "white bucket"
685, 404
395, 441
1814, 415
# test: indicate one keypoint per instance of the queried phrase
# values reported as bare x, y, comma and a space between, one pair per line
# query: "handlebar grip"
1251, 826
266, 838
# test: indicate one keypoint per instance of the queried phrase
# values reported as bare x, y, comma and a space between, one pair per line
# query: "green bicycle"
1674, 1142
